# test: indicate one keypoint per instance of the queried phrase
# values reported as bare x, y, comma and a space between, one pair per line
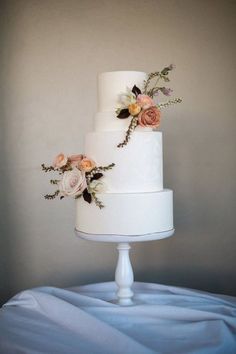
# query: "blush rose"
149, 117
145, 101
75, 160
73, 183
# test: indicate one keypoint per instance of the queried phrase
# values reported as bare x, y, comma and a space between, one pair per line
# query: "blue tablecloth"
82, 320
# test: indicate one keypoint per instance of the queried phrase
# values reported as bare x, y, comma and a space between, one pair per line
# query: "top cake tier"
110, 86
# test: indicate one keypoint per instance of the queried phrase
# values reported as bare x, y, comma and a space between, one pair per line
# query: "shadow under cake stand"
124, 276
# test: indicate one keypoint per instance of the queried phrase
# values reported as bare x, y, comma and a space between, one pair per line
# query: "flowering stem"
47, 168
132, 126
158, 78
103, 168
169, 103
97, 201
150, 77
155, 89
95, 170
54, 181
52, 196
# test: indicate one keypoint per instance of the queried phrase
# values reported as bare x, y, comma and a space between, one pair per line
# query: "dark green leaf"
136, 90
87, 196
96, 176
124, 113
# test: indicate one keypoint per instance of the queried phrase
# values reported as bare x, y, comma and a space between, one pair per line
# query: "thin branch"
169, 103
52, 196
132, 126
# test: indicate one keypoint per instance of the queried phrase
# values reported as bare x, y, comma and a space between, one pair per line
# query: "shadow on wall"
196, 279
8, 224
6, 229
5, 221
8, 235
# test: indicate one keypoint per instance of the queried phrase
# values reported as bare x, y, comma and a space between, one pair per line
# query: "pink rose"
149, 117
60, 161
145, 101
73, 183
87, 164
76, 159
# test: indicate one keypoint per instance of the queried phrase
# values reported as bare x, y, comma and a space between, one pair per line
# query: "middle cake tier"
138, 165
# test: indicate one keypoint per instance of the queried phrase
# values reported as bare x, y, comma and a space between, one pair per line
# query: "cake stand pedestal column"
124, 275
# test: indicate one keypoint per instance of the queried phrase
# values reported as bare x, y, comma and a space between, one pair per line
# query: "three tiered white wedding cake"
135, 201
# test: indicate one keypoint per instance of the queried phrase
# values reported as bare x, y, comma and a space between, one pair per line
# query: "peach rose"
149, 117
60, 161
87, 164
76, 159
134, 109
145, 101
73, 183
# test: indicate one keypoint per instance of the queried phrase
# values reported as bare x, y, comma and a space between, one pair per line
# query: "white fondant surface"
108, 121
127, 214
138, 166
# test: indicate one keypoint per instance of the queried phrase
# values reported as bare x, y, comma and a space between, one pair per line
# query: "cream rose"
127, 98
73, 183
75, 159
97, 186
145, 101
149, 117
60, 161
87, 164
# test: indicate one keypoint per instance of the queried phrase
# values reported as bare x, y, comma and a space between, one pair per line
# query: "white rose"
97, 186
73, 183
127, 98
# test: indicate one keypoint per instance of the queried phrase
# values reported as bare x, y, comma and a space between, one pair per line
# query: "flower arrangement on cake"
140, 104
79, 177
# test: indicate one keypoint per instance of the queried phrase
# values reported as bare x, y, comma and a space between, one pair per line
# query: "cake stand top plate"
125, 238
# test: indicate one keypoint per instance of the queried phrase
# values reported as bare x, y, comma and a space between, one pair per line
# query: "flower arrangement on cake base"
79, 177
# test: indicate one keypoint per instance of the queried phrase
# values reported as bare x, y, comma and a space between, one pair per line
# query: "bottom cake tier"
127, 213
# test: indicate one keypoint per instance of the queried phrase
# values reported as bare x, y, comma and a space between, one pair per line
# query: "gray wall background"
51, 52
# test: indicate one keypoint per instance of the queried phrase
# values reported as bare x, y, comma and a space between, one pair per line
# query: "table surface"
84, 320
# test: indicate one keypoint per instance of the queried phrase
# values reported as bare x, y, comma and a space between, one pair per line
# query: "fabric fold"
84, 319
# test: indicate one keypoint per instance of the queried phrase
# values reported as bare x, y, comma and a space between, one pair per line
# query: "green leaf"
165, 71
87, 196
96, 176
124, 113
136, 90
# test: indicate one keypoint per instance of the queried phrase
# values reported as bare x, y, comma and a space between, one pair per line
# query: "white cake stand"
124, 276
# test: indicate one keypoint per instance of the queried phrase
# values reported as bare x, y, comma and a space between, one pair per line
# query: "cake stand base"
124, 276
